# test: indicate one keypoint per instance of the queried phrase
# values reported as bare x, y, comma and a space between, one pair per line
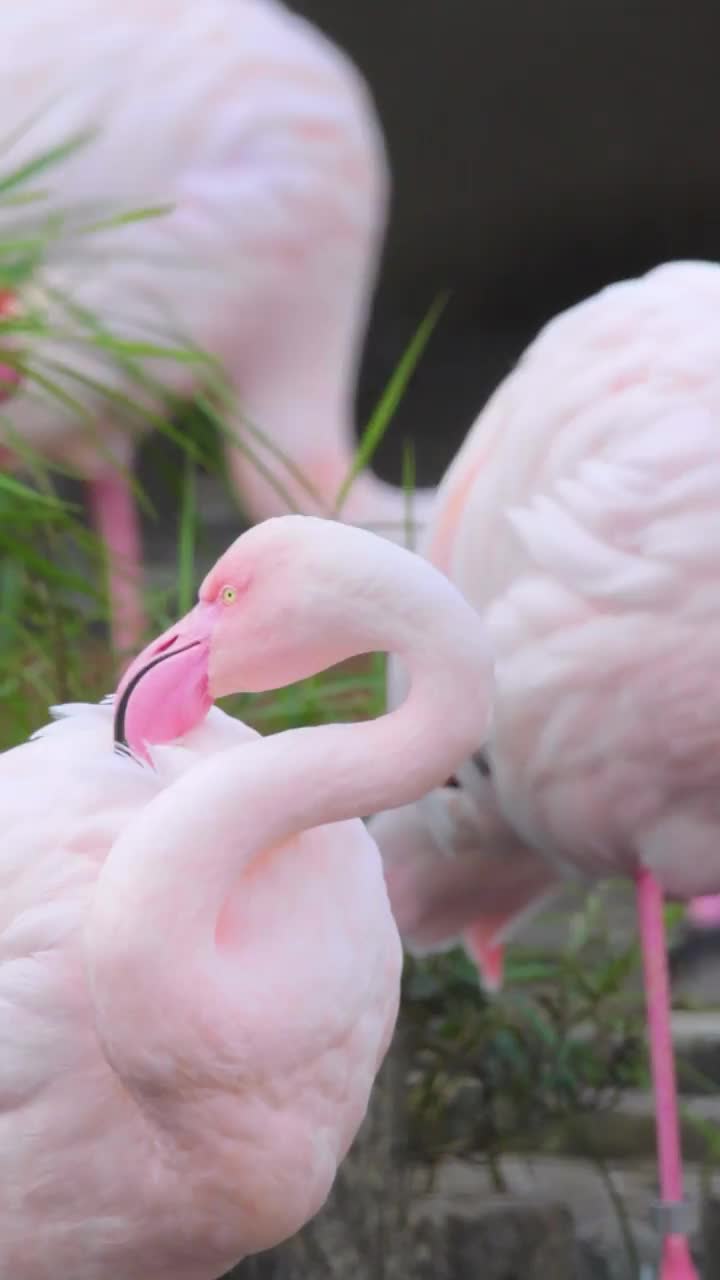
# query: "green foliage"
564, 1039
46, 604
382, 415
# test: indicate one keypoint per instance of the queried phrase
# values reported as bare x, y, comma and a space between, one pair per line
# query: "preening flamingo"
581, 517
199, 968
263, 136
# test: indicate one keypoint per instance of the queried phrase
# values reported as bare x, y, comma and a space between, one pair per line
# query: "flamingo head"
269, 613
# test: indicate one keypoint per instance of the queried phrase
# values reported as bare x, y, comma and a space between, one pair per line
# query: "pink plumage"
457, 872
263, 137
581, 518
199, 967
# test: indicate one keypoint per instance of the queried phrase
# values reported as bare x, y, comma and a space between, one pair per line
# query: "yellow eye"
228, 595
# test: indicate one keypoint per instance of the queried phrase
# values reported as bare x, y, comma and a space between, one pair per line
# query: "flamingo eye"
228, 595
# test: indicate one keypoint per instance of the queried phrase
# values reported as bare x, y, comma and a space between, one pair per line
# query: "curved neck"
151, 938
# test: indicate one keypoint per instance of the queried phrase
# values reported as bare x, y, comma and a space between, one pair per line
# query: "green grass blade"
122, 348
408, 486
186, 537
392, 395
229, 407
46, 160
16, 489
123, 219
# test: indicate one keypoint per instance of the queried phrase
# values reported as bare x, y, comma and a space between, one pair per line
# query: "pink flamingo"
581, 518
199, 967
262, 136
457, 872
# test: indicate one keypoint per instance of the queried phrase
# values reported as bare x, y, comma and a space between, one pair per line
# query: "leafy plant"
565, 1039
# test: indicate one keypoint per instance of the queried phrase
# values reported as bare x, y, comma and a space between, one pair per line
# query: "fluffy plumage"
110, 1187
199, 966
581, 518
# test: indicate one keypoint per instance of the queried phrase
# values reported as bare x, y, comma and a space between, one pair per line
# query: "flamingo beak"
165, 691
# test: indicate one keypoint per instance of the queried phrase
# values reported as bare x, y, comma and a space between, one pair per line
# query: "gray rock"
710, 1230
504, 1238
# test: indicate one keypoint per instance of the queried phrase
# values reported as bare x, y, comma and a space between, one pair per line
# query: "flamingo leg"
676, 1262
117, 524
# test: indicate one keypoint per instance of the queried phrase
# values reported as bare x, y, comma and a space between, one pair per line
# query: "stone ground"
603, 1252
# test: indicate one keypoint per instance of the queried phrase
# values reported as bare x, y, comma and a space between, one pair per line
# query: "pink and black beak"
165, 692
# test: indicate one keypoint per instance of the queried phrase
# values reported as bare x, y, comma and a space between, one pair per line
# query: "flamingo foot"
676, 1262
116, 520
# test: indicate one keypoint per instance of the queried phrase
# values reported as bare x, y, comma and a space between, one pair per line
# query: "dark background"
539, 151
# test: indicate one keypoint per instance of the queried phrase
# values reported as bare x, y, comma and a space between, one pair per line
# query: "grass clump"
564, 1040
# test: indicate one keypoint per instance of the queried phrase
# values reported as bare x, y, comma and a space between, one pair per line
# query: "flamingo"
263, 137
199, 967
456, 871
580, 517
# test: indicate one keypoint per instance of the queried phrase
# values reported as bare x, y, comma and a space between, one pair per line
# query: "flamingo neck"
152, 937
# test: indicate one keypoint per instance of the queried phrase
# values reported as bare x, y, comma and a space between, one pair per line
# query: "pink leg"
676, 1262
116, 521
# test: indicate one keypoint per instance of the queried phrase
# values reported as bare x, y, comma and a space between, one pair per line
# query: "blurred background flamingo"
645, 325
264, 139
580, 517
198, 986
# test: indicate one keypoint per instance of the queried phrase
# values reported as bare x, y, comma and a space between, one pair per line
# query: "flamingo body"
126, 1198
580, 517
263, 138
199, 966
